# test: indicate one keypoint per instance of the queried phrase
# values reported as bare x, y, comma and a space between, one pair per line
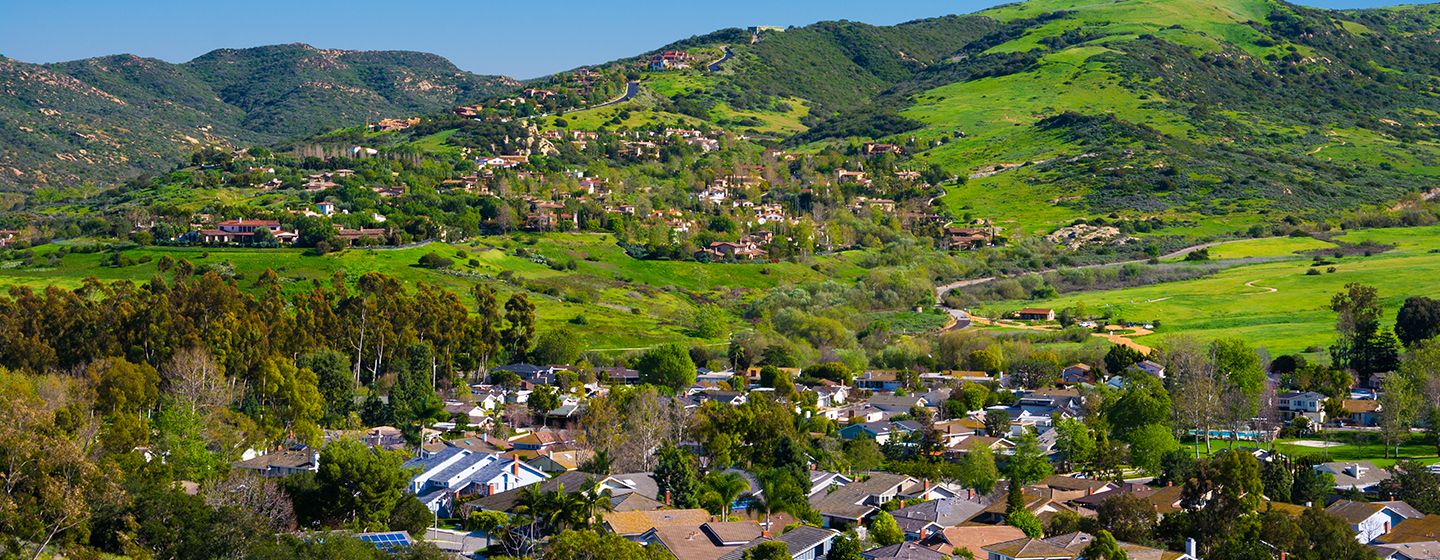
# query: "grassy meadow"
626, 303
1276, 305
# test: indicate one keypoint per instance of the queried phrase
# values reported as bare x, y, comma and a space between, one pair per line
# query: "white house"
454, 471
1369, 520
1309, 404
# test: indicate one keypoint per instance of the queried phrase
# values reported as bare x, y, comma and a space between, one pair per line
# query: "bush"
435, 261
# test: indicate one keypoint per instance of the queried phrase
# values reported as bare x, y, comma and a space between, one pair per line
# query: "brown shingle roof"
630, 523
1422, 529
975, 538
1029, 548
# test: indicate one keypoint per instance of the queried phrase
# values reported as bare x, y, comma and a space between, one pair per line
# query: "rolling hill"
106, 119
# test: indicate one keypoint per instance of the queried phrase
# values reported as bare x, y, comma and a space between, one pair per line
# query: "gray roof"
850, 501
640, 483
798, 540
905, 550
947, 512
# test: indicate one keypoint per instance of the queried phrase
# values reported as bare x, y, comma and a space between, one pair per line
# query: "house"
282, 463
7, 236
237, 231
634, 525
905, 550
823, 481
1035, 314
871, 149
325, 208
707, 541
1364, 413
1368, 520
454, 471
1422, 528
1069, 547
638, 483
571, 481
670, 60
973, 538
882, 431
803, 542
827, 396
1076, 374
1152, 368
1359, 475
965, 239
1309, 404
1408, 551
895, 403
887, 381
928, 518
852, 503
618, 375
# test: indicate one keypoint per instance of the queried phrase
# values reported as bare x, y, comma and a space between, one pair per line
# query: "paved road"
715, 66
962, 319
632, 88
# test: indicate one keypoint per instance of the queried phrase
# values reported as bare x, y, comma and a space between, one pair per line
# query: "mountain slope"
109, 118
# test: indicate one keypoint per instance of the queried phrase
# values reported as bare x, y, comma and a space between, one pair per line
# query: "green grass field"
1354, 446
627, 303
1274, 305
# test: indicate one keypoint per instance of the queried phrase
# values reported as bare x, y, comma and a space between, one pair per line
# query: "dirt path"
1251, 284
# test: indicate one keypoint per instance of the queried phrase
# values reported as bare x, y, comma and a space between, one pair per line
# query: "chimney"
1089, 490
515, 467
927, 484
969, 493
1190, 550
667, 497
922, 533
1283, 555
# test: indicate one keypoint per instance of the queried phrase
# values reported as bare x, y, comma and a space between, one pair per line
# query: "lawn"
1355, 446
1275, 305
1268, 247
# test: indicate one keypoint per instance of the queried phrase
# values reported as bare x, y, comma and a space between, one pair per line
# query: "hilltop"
109, 118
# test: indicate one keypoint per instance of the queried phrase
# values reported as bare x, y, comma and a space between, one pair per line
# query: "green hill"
106, 119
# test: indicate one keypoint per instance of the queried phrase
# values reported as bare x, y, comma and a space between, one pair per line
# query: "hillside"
106, 119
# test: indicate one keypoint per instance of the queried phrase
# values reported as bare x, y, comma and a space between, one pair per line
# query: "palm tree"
727, 486
594, 501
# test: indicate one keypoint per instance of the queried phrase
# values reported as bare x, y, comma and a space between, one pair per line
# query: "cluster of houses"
462, 467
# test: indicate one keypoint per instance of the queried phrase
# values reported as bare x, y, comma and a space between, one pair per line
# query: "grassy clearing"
627, 303
1292, 318
1356, 446
1268, 247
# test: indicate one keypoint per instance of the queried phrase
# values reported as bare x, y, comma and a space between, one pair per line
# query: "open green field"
1267, 247
627, 303
1274, 305
1354, 446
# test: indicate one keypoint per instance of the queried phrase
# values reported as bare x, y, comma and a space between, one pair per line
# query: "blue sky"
521, 39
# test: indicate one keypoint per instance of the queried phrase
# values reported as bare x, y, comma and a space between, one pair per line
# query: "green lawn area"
627, 303
1239, 301
1267, 247
1355, 446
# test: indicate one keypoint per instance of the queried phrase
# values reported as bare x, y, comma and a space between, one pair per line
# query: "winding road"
963, 319
715, 66
632, 88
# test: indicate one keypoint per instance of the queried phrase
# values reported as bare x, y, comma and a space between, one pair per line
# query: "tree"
337, 387
1278, 480
1035, 369
708, 320
1129, 517
884, 530
1242, 379
1144, 402
1075, 443
833, 371
588, 544
197, 379
667, 365
124, 387
434, 260
676, 477
726, 487
1399, 407
1149, 444
1357, 326
770, 550
997, 423
977, 470
520, 326
360, 485
543, 400
410, 515
1415, 485
846, 547
1028, 464
557, 346
1417, 320
1026, 522
1311, 486
863, 454
1120, 357
1104, 547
